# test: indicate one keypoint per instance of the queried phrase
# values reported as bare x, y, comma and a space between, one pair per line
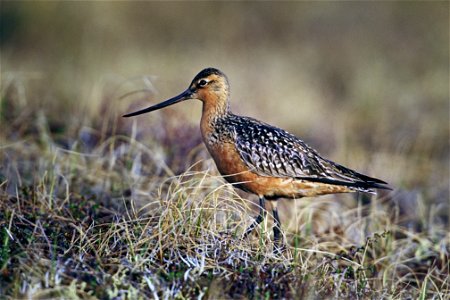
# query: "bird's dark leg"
259, 218
278, 245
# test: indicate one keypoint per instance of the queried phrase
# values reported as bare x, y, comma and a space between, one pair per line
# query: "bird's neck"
211, 115
214, 109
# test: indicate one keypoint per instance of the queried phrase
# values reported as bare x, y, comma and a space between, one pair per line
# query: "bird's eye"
202, 83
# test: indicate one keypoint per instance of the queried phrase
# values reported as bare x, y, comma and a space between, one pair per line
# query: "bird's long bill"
181, 97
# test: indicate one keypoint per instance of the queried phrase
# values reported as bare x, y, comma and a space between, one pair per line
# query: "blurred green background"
367, 84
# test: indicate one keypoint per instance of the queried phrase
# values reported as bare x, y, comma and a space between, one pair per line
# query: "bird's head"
209, 86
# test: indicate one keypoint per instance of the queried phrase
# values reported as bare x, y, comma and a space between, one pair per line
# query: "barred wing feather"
270, 151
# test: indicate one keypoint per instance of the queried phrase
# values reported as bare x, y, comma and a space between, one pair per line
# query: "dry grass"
62, 236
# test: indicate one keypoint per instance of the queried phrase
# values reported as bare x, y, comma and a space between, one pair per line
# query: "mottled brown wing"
270, 151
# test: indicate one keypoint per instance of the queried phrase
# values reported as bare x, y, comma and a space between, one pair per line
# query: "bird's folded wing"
270, 151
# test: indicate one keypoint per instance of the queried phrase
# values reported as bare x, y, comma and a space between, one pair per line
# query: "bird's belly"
236, 172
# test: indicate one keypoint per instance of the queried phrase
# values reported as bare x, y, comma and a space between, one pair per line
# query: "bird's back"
272, 152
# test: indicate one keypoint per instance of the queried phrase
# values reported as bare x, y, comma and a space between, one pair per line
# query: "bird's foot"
255, 223
278, 244
279, 247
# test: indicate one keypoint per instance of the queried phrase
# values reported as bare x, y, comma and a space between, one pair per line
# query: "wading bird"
262, 159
